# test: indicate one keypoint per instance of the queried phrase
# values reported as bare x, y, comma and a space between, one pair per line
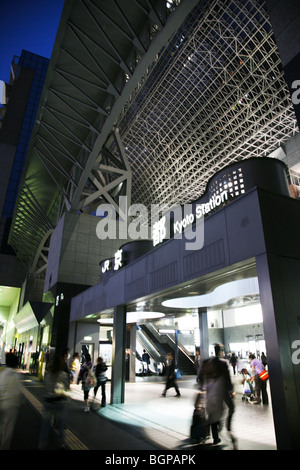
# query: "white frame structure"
149, 98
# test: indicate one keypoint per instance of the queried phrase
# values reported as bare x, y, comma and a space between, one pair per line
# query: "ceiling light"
135, 317
220, 295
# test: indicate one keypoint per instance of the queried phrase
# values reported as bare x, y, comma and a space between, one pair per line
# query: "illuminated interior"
9, 303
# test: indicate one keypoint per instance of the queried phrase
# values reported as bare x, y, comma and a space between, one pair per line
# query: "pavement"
146, 424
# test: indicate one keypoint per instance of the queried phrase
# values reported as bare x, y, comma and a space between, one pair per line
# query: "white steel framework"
217, 95
149, 98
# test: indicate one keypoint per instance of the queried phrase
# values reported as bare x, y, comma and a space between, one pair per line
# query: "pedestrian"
146, 359
65, 354
100, 370
88, 380
233, 361
10, 401
264, 359
260, 386
215, 380
171, 376
55, 401
12, 359
197, 365
74, 367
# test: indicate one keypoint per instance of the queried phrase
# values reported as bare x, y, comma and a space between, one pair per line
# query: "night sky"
27, 24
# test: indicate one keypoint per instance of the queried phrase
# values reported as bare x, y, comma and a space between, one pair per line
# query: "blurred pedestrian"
171, 376
233, 362
100, 370
74, 367
88, 380
215, 379
197, 364
260, 386
55, 401
10, 401
264, 359
65, 354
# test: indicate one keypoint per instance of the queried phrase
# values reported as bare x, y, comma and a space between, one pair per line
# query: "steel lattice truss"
149, 101
217, 95
95, 65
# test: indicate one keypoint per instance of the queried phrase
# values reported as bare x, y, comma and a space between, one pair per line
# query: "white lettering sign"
159, 231
201, 210
106, 266
118, 260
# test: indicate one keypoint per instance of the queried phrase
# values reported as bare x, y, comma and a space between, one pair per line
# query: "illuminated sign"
118, 260
118, 263
191, 214
58, 299
201, 210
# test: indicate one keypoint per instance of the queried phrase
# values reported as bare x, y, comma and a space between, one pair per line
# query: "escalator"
158, 345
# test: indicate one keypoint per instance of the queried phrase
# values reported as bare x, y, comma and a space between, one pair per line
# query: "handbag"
264, 375
90, 380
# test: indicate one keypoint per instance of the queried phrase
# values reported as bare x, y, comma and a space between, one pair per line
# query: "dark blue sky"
29, 25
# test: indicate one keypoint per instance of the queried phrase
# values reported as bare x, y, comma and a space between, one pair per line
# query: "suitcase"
200, 426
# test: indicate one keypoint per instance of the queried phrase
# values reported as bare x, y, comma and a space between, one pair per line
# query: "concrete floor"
146, 422
166, 420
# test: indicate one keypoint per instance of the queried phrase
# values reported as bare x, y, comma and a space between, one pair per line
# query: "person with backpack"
87, 378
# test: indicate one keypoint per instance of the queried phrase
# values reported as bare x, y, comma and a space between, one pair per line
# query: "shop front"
33, 325
236, 284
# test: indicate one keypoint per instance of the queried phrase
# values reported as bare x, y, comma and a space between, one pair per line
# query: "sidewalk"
147, 421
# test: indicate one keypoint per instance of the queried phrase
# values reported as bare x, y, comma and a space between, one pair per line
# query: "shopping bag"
264, 375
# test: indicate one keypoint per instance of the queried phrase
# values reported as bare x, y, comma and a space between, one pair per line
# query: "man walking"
171, 376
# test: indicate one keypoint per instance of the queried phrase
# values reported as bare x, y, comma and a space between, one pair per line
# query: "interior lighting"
134, 317
166, 331
220, 295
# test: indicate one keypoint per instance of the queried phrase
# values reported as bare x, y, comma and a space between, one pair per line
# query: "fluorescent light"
166, 331
135, 317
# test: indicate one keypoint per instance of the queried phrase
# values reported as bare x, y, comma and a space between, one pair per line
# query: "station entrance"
223, 307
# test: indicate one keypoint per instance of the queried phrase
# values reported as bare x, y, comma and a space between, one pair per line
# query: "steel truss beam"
152, 104
101, 52
217, 95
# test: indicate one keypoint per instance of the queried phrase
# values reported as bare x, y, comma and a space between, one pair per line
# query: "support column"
118, 356
204, 340
132, 346
279, 279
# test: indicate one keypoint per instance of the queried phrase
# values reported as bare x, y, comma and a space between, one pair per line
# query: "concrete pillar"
204, 340
132, 337
118, 356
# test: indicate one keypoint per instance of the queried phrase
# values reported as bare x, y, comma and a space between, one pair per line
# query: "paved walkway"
146, 422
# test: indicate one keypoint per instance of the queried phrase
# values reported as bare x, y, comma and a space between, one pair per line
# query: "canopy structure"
148, 98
